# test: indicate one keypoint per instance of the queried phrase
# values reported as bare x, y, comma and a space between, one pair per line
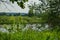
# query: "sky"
9, 7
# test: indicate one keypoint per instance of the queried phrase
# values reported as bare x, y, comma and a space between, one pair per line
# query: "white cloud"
9, 7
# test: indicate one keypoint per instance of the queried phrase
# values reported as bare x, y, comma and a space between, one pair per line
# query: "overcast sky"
9, 7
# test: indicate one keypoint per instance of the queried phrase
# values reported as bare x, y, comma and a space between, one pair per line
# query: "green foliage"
31, 35
51, 18
20, 2
25, 0
53, 15
20, 20
30, 14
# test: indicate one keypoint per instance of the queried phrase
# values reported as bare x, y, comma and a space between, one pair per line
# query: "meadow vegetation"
27, 34
31, 35
20, 20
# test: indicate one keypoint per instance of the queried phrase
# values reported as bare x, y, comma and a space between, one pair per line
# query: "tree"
38, 9
31, 11
20, 2
30, 14
53, 15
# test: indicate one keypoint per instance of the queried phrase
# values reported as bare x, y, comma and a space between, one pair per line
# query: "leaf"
12, 1
25, 0
21, 4
16, 0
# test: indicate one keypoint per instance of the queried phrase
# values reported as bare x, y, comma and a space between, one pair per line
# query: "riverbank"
20, 20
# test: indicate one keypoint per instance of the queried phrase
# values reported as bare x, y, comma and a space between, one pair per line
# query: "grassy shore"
20, 19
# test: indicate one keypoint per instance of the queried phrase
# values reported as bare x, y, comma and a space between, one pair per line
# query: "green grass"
31, 35
20, 19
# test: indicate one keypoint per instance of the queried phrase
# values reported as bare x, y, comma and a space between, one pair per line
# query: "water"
14, 28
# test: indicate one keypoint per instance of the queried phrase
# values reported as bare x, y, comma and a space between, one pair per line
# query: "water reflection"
21, 27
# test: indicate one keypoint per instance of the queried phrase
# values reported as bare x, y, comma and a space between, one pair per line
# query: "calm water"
13, 28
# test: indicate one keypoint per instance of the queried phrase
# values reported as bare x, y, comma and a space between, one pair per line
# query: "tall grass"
31, 35
19, 19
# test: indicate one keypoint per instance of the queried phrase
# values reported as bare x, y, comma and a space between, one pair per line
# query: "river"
14, 27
